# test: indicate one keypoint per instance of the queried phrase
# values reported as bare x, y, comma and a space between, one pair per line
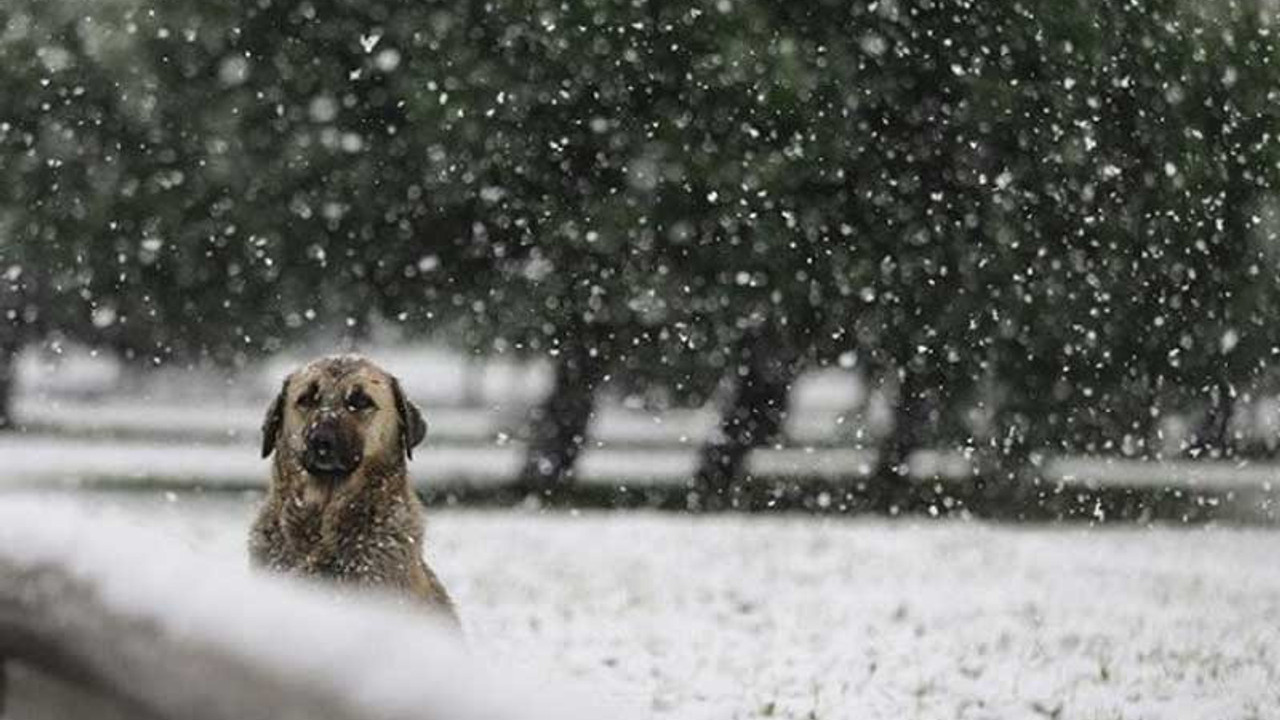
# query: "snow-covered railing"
100, 618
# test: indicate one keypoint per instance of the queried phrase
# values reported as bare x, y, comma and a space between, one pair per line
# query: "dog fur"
346, 511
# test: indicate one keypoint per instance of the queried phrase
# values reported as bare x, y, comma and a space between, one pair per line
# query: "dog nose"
328, 452
323, 441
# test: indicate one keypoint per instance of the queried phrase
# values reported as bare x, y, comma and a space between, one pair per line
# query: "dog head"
339, 413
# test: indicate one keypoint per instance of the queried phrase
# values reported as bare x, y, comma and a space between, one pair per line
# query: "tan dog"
340, 504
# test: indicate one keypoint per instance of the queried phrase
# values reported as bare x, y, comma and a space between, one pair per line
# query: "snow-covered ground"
231, 420
43, 460
793, 617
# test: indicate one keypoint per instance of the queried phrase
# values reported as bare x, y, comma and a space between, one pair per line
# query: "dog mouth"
328, 466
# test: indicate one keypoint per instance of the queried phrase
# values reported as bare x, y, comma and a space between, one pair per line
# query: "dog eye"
308, 398
359, 401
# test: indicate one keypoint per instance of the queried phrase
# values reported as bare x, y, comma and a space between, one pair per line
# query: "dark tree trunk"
558, 426
357, 330
9, 348
1213, 436
753, 418
890, 486
1146, 425
13, 331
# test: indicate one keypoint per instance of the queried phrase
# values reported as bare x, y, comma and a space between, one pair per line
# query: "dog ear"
413, 428
271, 423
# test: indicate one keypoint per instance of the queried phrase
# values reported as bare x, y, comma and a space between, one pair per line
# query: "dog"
340, 506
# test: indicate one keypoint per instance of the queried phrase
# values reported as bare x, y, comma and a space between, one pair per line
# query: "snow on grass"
236, 419
793, 617
730, 617
42, 460
431, 373
216, 420
49, 459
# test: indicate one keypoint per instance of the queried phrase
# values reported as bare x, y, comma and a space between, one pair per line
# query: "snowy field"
793, 617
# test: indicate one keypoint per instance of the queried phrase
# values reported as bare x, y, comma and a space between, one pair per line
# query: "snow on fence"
100, 618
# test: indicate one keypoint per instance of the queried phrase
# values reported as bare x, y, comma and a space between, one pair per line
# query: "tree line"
1037, 227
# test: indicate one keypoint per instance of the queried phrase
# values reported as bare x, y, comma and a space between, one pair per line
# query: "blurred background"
957, 243
934, 258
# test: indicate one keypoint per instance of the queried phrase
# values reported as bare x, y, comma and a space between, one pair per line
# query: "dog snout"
323, 441
328, 453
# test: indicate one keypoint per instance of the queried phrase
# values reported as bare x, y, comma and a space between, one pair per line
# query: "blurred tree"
570, 126
957, 195
116, 216
1036, 227
60, 144
1231, 170
198, 181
